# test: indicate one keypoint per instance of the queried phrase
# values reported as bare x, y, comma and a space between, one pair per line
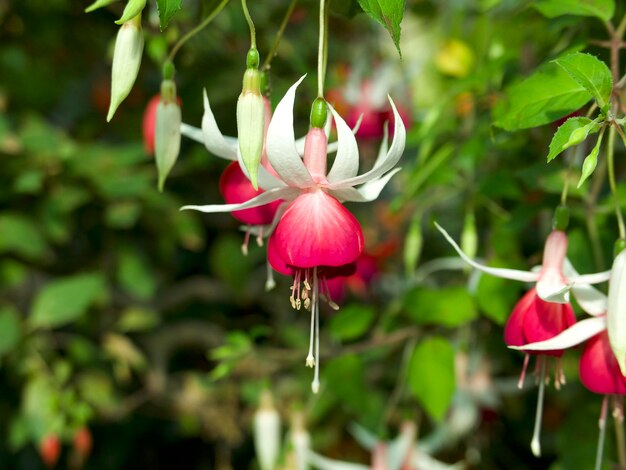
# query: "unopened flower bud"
250, 123
267, 432
167, 131
83, 442
300, 440
616, 311
50, 450
126, 62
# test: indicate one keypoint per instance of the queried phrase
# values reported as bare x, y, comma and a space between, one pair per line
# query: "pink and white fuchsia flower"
316, 234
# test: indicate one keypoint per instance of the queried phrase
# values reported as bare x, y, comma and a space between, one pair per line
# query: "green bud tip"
253, 59
561, 218
620, 245
319, 112
168, 70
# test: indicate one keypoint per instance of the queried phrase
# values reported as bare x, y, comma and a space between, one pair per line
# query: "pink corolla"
316, 234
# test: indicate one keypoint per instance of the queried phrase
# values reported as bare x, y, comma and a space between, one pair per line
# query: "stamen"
315, 385
535, 445
559, 376
329, 299
310, 359
259, 237
246, 240
270, 283
602, 433
522, 376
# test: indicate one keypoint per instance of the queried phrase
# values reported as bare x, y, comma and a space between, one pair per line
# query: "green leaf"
20, 235
351, 322
602, 9
431, 375
65, 300
449, 307
388, 13
591, 73
572, 132
547, 95
137, 319
133, 8
98, 4
135, 275
167, 9
10, 328
590, 163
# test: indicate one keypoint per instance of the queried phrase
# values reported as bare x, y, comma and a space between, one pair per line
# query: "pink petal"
514, 327
598, 368
276, 262
316, 230
236, 188
149, 122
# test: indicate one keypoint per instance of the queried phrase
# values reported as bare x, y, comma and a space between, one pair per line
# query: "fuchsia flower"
544, 312
316, 234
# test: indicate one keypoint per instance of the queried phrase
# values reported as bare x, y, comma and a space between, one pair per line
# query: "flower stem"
618, 420
246, 13
279, 36
195, 30
602, 433
612, 184
320, 51
535, 445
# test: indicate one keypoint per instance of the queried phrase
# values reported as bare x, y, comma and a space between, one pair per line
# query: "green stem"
196, 30
612, 183
320, 50
246, 13
279, 36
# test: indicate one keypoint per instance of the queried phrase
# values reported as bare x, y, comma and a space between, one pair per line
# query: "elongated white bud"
167, 131
300, 440
616, 312
267, 433
126, 62
250, 123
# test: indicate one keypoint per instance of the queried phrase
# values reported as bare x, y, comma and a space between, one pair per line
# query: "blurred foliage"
147, 324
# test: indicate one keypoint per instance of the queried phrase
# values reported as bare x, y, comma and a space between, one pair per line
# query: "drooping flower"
50, 450
316, 232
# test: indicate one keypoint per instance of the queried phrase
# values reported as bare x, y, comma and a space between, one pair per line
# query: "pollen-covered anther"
310, 361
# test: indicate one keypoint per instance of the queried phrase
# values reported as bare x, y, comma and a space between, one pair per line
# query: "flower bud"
50, 450
167, 131
126, 62
250, 123
300, 440
616, 311
267, 432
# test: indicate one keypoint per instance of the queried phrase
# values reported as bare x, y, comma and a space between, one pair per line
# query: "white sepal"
346, 164
320, 462
513, 274
126, 62
616, 313
575, 334
281, 144
590, 299
262, 199
215, 142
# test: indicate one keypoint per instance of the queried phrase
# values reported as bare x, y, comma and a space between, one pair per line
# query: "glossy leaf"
388, 13
167, 9
602, 9
547, 95
65, 300
591, 73
431, 375
450, 307
19, 235
351, 322
572, 132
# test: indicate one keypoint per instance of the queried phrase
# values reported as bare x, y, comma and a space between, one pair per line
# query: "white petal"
193, 133
262, 199
384, 146
265, 179
424, 461
281, 144
616, 314
391, 157
346, 164
368, 192
575, 334
214, 141
590, 299
322, 463
514, 274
